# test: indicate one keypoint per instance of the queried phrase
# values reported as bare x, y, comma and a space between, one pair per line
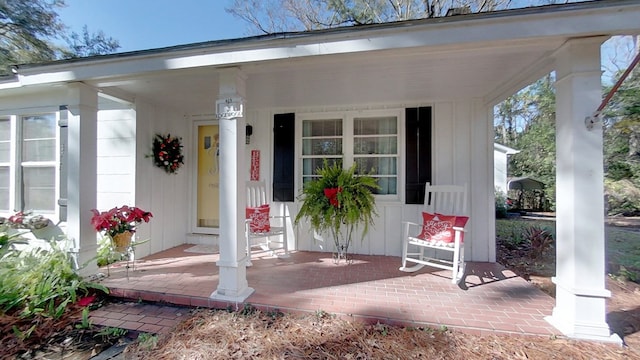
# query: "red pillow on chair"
438, 228
259, 217
458, 221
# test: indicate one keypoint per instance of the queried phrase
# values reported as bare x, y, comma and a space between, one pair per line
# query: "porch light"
248, 133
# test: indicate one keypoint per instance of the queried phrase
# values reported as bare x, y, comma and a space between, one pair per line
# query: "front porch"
371, 289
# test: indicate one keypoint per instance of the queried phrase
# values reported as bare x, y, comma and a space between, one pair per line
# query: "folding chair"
442, 230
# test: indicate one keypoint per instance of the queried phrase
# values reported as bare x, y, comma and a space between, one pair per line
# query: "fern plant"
338, 202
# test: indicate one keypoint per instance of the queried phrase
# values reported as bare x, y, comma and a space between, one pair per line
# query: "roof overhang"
486, 55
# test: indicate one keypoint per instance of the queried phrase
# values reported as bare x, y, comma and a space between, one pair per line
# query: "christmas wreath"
167, 153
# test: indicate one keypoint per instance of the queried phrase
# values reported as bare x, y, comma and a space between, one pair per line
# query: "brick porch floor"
371, 288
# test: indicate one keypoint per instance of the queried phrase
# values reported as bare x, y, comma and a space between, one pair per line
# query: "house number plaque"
229, 108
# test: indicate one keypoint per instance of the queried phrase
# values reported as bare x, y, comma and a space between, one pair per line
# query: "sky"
149, 24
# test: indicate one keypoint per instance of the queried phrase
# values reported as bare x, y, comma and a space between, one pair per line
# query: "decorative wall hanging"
167, 153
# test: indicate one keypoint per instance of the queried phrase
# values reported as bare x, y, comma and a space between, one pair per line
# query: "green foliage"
539, 240
623, 253
501, 204
518, 234
352, 207
106, 253
147, 341
112, 333
85, 323
619, 170
623, 197
40, 282
248, 310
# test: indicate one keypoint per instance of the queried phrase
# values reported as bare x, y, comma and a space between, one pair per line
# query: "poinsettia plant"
119, 219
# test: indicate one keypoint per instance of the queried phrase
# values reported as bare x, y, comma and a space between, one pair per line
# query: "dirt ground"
623, 307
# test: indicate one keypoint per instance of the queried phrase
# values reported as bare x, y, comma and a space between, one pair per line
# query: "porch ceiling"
389, 76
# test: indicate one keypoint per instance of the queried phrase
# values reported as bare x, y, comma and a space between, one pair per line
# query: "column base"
232, 296
583, 331
581, 313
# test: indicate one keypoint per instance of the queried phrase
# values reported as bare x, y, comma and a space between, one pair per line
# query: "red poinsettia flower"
119, 219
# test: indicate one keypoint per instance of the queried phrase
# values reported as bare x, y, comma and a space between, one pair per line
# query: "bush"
37, 284
619, 170
501, 204
623, 197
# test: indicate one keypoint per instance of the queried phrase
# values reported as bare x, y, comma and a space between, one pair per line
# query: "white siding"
116, 158
165, 195
462, 150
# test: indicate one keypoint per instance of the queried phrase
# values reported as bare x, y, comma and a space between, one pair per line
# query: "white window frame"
348, 143
16, 165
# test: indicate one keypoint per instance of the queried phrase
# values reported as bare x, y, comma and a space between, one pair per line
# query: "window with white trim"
28, 163
370, 141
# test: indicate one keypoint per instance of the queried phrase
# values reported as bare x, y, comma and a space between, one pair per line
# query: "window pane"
39, 150
377, 165
5, 151
316, 128
309, 166
4, 188
375, 145
388, 186
375, 126
39, 135
39, 188
39, 126
5, 139
322, 147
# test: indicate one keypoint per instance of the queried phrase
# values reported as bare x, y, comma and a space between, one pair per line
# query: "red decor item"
426, 218
86, 301
259, 217
255, 165
332, 195
438, 228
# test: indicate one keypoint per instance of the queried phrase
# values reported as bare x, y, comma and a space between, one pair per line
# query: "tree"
28, 29
90, 44
273, 16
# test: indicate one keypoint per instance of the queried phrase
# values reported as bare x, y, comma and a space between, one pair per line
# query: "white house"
500, 165
417, 94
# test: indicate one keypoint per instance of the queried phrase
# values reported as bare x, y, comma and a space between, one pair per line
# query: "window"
369, 141
28, 165
5, 164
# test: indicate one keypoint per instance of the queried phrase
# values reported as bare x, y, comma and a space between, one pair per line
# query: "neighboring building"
501, 165
412, 99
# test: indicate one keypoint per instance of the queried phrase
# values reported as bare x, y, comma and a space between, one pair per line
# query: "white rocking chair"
445, 200
262, 238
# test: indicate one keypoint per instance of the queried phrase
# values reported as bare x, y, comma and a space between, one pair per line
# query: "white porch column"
232, 285
580, 310
81, 174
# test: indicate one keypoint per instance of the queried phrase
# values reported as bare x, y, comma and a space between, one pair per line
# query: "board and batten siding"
116, 160
462, 153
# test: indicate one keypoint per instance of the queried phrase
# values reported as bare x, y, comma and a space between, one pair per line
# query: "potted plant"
338, 202
119, 224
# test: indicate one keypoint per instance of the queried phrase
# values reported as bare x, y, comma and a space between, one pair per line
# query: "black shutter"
283, 156
418, 153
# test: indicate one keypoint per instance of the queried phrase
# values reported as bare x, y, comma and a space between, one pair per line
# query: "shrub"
539, 240
501, 204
